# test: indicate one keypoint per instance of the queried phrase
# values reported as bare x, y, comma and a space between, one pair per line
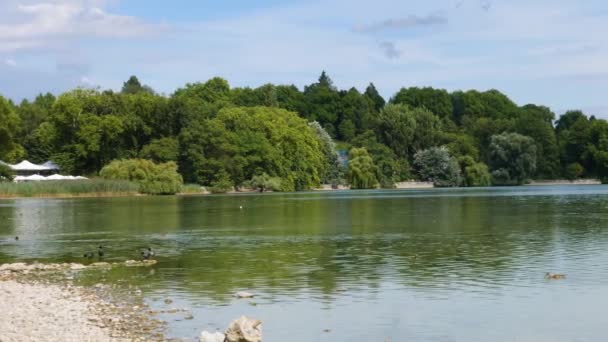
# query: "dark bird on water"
16, 238
90, 255
147, 253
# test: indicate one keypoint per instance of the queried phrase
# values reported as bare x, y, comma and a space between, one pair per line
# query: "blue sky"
551, 52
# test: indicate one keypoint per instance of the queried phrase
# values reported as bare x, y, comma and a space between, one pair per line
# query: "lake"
395, 265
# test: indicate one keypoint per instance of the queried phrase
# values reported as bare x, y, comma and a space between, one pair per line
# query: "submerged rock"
244, 329
23, 267
212, 337
244, 294
142, 263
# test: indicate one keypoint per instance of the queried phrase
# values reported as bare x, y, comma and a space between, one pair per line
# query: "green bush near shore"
192, 189
101, 187
154, 179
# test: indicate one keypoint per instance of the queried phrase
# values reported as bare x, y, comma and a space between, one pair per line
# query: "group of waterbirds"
146, 253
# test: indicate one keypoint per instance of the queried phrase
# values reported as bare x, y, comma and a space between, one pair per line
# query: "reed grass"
73, 188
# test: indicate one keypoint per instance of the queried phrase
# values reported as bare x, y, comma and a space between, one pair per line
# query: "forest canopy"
296, 139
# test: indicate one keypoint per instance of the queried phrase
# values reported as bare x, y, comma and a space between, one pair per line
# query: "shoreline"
42, 303
325, 188
564, 182
67, 196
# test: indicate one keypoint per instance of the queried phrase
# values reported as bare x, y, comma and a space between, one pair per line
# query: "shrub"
264, 182
436, 165
574, 171
222, 185
6, 173
192, 189
156, 179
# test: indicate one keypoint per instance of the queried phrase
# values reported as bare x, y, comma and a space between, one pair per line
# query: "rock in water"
215, 337
244, 329
244, 294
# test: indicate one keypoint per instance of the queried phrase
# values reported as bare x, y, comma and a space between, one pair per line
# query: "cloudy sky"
552, 52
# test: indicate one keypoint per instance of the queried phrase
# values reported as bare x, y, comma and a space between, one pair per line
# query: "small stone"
212, 337
244, 294
168, 301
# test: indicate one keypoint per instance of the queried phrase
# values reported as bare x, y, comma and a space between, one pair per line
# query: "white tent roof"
51, 166
35, 178
56, 177
27, 166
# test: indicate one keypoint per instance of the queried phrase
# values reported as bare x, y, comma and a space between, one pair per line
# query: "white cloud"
34, 24
10, 62
408, 22
84, 80
546, 51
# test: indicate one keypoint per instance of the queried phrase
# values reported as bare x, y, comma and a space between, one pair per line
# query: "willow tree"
244, 142
361, 169
512, 158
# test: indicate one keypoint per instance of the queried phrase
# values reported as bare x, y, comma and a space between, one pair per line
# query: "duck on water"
146, 254
100, 253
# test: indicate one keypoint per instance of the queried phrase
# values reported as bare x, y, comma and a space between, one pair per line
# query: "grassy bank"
83, 188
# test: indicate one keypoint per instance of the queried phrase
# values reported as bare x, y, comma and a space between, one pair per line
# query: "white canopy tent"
35, 178
27, 171
56, 177
39, 178
51, 166
27, 166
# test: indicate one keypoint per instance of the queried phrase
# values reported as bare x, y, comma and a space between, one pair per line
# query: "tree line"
282, 138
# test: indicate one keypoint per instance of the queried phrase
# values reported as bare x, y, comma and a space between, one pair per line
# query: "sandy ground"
34, 309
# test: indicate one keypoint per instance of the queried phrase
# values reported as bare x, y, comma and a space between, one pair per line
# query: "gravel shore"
35, 312
33, 309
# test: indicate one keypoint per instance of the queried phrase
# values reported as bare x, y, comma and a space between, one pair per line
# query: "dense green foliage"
264, 182
242, 142
473, 173
6, 173
156, 179
223, 137
512, 158
334, 173
438, 166
94, 187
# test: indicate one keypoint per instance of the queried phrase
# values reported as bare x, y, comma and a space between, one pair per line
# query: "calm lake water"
428, 265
